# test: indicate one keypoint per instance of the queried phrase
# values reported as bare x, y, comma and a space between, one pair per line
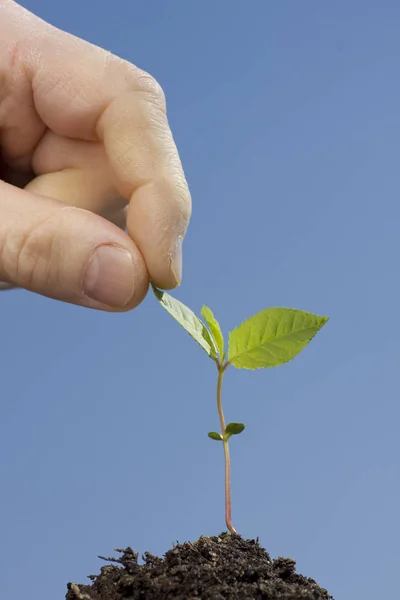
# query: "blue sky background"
287, 117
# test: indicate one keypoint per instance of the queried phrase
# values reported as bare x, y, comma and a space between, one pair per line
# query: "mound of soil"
213, 568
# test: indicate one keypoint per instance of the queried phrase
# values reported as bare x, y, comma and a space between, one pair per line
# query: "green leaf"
188, 320
233, 429
215, 329
272, 337
215, 436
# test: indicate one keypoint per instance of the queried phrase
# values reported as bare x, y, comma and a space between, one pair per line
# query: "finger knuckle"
147, 85
29, 255
179, 205
185, 206
183, 196
128, 77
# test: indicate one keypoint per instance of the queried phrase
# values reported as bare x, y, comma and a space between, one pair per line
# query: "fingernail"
176, 260
110, 276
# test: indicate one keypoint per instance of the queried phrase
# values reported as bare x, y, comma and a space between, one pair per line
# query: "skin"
87, 161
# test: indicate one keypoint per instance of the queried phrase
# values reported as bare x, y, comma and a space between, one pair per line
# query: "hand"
86, 156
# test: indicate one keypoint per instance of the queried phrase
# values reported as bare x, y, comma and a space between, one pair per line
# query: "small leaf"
188, 320
215, 436
233, 429
272, 337
215, 329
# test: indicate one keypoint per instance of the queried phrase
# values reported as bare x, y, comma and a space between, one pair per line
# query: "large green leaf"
272, 337
188, 320
215, 329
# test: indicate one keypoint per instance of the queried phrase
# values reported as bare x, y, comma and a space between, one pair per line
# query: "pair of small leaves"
231, 429
268, 339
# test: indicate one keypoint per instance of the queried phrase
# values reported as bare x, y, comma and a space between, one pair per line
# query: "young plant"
268, 339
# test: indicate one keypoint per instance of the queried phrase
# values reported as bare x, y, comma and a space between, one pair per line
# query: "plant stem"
228, 510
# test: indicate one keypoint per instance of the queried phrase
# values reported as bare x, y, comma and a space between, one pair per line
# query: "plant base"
213, 568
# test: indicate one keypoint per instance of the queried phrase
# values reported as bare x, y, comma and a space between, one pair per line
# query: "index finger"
147, 169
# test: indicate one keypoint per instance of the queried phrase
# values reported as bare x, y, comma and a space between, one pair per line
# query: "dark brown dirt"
213, 568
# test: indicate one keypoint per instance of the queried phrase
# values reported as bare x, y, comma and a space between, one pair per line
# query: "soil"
213, 568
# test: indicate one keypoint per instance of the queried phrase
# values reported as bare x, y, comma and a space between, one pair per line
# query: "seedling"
268, 339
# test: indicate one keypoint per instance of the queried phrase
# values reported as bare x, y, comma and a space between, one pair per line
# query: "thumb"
67, 253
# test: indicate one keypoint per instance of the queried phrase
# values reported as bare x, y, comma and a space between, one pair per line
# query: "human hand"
105, 204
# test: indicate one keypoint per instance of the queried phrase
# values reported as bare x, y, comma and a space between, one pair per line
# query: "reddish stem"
228, 510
